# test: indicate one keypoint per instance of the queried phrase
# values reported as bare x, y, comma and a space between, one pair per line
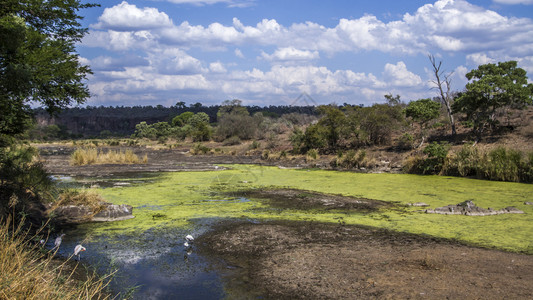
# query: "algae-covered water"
149, 252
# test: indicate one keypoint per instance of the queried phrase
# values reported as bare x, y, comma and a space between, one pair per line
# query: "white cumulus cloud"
127, 17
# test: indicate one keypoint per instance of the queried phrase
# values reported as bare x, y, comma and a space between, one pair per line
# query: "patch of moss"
184, 196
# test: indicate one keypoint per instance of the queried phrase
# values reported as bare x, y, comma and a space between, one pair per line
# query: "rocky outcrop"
468, 208
72, 214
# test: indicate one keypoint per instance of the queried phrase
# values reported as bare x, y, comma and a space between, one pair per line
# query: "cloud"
291, 54
447, 25
127, 17
397, 75
230, 3
512, 2
158, 54
238, 53
108, 63
217, 67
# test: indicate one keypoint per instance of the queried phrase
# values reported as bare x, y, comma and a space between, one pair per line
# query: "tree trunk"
444, 96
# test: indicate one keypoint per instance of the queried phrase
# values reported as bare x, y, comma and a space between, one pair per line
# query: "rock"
528, 203
82, 214
468, 208
114, 212
418, 204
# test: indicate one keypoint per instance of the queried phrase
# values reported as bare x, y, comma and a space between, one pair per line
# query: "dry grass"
28, 272
78, 197
90, 156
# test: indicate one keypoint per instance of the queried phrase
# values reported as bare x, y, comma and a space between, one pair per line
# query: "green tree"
423, 111
493, 87
38, 61
143, 130
182, 119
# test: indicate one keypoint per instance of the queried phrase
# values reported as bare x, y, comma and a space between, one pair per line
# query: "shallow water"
149, 252
152, 263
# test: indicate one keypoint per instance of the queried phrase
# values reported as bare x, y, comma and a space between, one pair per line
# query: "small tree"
491, 88
423, 111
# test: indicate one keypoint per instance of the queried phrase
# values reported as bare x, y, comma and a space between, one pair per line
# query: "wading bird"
58, 241
77, 250
189, 238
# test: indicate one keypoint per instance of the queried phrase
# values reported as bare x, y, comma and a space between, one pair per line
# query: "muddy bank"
57, 161
289, 260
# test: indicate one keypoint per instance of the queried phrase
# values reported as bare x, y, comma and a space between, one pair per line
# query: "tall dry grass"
89, 156
28, 272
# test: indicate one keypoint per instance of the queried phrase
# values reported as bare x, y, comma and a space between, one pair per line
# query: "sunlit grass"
89, 156
28, 272
183, 196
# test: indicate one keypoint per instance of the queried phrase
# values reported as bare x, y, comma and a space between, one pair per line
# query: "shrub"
312, 154
351, 159
199, 149
503, 164
466, 162
406, 141
436, 153
234, 140
255, 145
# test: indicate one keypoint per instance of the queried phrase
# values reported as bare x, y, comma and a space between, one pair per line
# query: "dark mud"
301, 260
298, 199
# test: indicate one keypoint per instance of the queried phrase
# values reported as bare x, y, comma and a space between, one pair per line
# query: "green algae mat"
176, 199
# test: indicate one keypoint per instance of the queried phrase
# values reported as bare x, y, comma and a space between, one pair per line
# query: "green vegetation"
38, 60
499, 164
493, 88
90, 156
189, 195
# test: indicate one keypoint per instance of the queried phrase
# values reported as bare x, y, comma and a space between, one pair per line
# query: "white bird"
189, 238
78, 249
186, 244
58, 241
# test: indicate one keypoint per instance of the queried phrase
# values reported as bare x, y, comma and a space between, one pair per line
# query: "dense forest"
92, 121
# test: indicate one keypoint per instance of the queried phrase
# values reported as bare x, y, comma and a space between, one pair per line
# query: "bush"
406, 141
312, 154
466, 162
503, 165
255, 145
234, 140
199, 149
22, 179
350, 160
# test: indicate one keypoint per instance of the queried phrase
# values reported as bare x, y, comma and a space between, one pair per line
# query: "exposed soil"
297, 260
306, 260
291, 198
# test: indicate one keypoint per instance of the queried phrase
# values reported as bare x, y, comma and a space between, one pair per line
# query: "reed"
29, 272
89, 156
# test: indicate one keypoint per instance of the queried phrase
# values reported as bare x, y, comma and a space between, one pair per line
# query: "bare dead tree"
443, 84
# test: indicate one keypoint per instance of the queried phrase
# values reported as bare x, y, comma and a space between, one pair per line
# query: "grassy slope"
185, 195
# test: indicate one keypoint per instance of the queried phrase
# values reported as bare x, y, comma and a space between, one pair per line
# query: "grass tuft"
28, 272
90, 156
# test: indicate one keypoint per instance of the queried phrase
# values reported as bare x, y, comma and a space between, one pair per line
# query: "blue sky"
269, 52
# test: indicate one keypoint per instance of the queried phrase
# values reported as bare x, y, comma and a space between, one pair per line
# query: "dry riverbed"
289, 259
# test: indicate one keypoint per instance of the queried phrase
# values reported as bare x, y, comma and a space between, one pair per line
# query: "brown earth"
306, 260
296, 260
